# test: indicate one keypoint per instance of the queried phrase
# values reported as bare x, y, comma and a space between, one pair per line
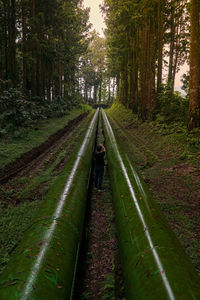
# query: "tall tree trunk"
121, 88
109, 90
147, 69
1, 74
143, 72
24, 50
38, 93
113, 89
118, 80
194, 105
133, 77
124, 87
49, 84
33, 51
100, 89
172, 44
96, 85
5, 4
42, 77
58, 78
175, 64
179, 30
86, 93
65, 86
160, 43
12, 43
125, 95
151, 67
41, 70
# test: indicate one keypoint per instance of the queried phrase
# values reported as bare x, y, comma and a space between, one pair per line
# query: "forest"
41, 44
147, 39
50, 60
64, 89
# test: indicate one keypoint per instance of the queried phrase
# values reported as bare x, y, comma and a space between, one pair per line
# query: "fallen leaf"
19, 288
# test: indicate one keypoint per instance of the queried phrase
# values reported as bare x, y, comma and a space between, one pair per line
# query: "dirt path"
101, 270
41, 152
29, 177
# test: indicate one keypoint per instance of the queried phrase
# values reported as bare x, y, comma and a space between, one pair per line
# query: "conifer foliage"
194, 107
93, 69
48, 56
41, 42
144, 38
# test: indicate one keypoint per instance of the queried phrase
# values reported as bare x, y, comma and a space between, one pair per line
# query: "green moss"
55, 277
137, 255
172, 177
14, 221
12, 148
123, 119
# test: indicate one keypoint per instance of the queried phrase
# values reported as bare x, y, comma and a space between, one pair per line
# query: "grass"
47, 175
14, 221
12, 148
168, 159
174, 133
109, 287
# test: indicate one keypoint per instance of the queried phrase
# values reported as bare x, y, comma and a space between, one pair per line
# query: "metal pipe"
154, 263
43, 265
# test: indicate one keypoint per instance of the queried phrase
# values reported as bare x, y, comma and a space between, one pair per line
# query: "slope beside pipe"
154, 263
43, 265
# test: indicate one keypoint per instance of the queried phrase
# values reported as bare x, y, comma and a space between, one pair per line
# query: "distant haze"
178, 83
97, 20
96, 17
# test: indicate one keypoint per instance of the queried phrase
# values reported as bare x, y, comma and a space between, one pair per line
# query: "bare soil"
27, 178
102, 270
101, 273
49, 145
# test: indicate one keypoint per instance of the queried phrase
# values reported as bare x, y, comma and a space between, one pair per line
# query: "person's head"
99, 148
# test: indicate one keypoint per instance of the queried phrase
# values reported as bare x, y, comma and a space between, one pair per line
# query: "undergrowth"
12, 147
173, 179
18, 113
14, 222
109, 287
174, 130
17, 217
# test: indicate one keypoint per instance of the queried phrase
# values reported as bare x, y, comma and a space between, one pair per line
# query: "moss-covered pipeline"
154, 263
43, 265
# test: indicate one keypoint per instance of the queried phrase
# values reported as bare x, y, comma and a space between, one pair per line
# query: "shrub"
173, 107
17, 113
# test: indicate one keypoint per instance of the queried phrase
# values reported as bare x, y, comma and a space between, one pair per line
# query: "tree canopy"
41, 42
47, 52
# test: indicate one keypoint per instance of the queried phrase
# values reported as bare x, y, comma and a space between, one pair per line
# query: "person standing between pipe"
99, 166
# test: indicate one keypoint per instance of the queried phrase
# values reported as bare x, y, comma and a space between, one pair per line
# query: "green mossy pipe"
43, 265
154, 263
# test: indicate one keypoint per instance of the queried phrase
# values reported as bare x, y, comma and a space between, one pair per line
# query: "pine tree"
194, 106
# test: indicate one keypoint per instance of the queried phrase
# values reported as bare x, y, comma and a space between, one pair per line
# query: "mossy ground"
168, 158
22, 196
13, 147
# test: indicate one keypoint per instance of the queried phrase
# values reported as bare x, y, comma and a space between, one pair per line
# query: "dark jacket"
99, 159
